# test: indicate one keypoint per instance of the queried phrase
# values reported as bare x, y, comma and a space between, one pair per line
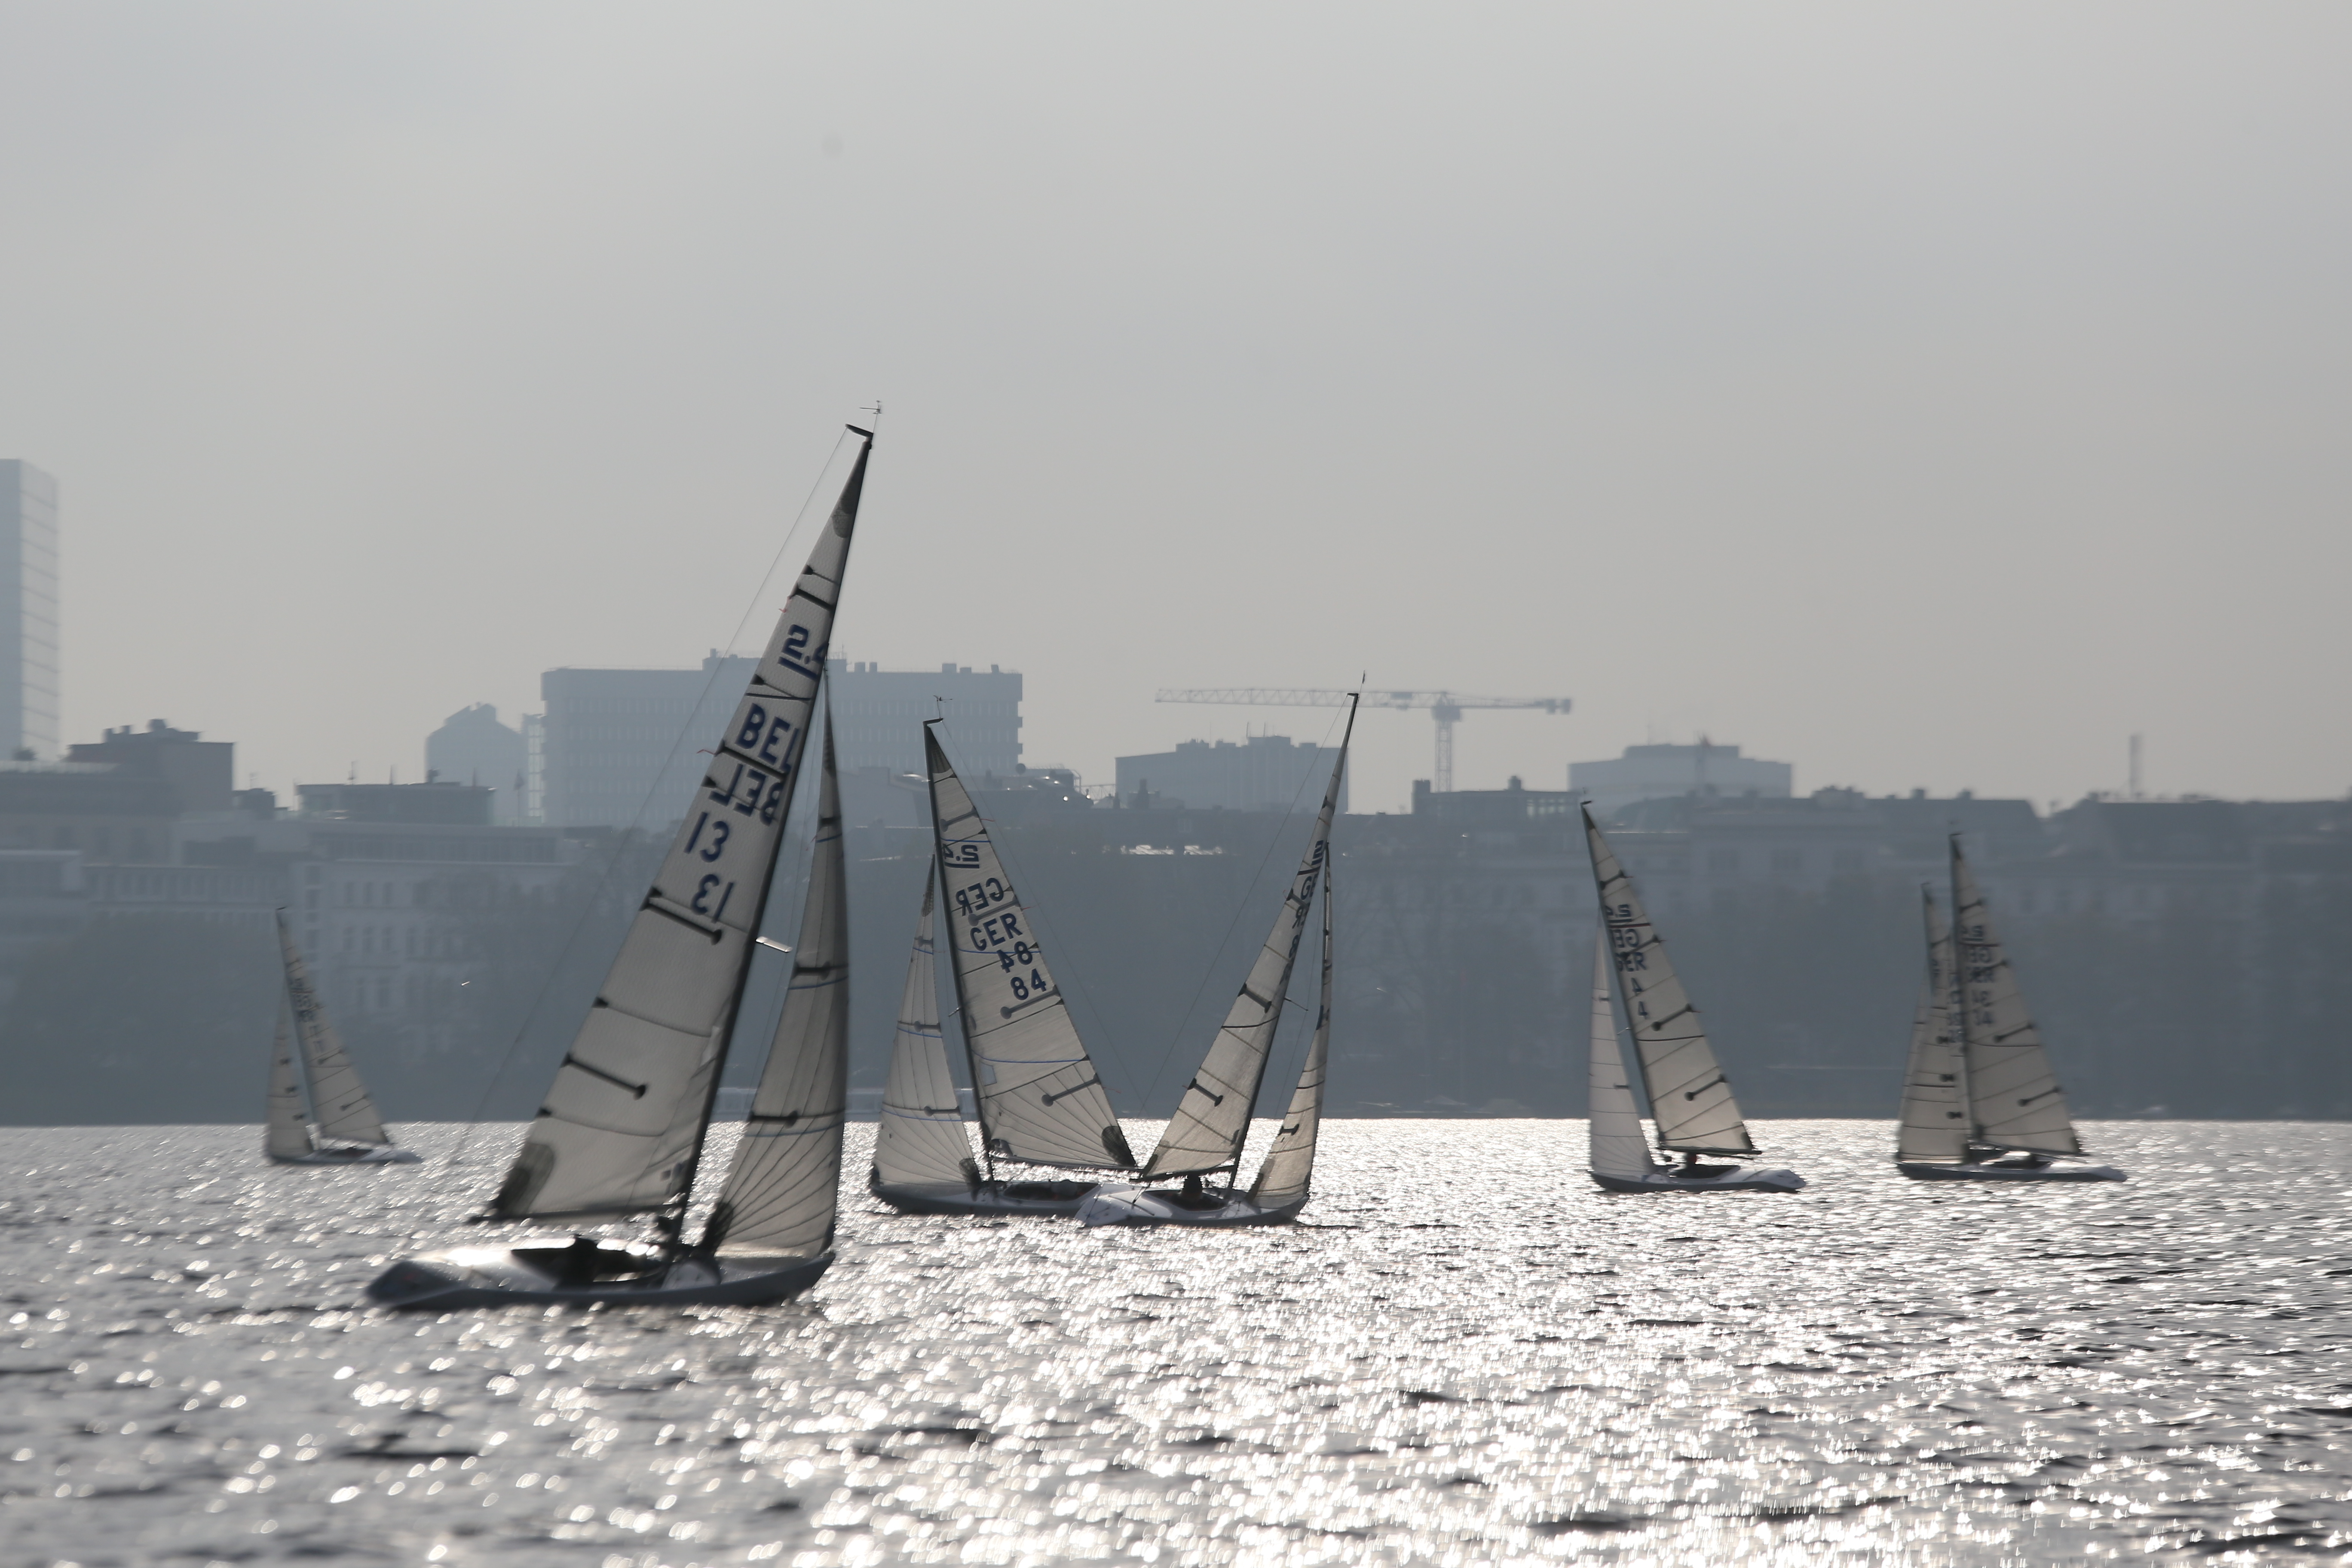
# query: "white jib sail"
1289, 1172
920, 1137
1041, 1099
1212, 1117
1934, 1119
2014, 1100
287, 1120
1690, 1099
621, 1127
783, 1191
338, 1099
1612, 1120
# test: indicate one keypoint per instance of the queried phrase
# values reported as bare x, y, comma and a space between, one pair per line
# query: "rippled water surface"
1470, 1355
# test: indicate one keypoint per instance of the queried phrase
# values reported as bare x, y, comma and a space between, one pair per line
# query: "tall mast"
1959, 987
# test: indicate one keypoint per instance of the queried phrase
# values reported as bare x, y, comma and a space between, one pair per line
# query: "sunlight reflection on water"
1469, 1355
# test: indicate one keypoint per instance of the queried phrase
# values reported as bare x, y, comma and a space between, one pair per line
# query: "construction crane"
1444, 707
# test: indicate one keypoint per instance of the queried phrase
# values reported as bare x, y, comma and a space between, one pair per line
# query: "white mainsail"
2014, 1100
621, 1129
1212, 1117
1690, 1099
1935, 1118
1612, 1120
339, 1101
1288, 1172
784, 1192
920, 1137
287, 1120
1041, 1099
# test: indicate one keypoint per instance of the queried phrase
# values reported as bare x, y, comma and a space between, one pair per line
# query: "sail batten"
1286, 1177
920, 1137
287, 1134
1612, 1119
2014, 1100
1690, 1097
340, 1103
1041, 1101
624, 1138
1933, 1125
1212, 1116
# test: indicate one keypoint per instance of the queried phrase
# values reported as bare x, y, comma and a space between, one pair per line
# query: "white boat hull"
373, 1155
1994, 1171
1033, 1200
1161, 1206
536, 1276
1737, 1179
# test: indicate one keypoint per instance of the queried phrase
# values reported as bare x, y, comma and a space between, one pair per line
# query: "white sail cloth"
1212, 1117
783, 1192
2014, 1100
1933, 1125
1690, 1098
1612, 1119
1286, 1176
920, 1137
287, 1133
1041, 1099
621, 1127
339, 1101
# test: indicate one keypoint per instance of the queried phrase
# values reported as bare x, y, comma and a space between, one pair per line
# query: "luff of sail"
339, 1101
920, 1137
1212, 1116
1612, 1119
1041, 1099
783, 1189
287, 1133
1690, 1098
1286, 1177
621, 1127
1934, 1119
2014, 1100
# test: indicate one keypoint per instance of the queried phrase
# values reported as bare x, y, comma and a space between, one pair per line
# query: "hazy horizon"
1928, 397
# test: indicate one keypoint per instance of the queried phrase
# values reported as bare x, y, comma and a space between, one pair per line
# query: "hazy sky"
1925, 394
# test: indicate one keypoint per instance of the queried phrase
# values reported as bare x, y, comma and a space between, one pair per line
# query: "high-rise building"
28, 611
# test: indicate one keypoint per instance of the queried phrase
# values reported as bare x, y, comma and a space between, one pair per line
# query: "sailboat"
1690, 1098
1039, 1099
1979, 1100
335, 1123
623, 1128
1206, 1135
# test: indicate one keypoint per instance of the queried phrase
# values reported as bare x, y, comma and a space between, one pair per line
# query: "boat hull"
1125, 1205
1737, 1179
1032, 1200
1924, 1170
383, 1155
500, 1276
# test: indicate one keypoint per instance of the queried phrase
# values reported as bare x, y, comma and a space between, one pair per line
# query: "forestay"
1041, 1099
621, 1127
920, 1137
1612, 1119
783, 1194
1935, 1121
288, 1121
339, 1101
1288, 1172
1690, 1099
1212, 1117
2014, 1100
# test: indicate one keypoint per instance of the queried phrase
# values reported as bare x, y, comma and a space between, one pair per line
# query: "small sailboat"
1039, 1099
335, 1123
1981, 1102
1690, 1098
623, 1128
1206, 1135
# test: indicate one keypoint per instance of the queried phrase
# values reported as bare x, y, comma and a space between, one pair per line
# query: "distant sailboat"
1690, 1098
2005, 1119
1040, 1100
1206, 1135
623, 1128
335, 1123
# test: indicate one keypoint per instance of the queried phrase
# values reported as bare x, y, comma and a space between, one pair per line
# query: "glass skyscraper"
28, 611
